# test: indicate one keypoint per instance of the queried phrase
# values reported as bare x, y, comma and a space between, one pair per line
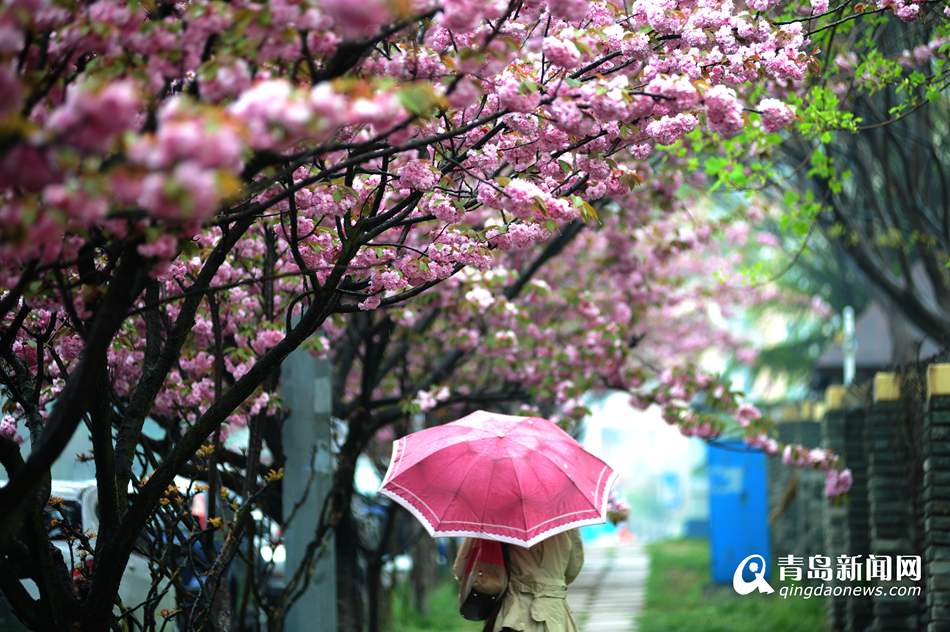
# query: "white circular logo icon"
756, 565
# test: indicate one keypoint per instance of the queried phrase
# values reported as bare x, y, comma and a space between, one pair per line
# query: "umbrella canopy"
498, 477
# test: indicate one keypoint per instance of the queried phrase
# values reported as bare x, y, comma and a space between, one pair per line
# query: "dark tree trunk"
424, 573
374, 589
350, 579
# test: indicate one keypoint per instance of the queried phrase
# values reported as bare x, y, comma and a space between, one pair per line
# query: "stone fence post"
811, 488
889, 488
796, 495
783, 492
859, 610
935, 495
836, 534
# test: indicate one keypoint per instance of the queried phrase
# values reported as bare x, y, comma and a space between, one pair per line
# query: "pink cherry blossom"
669, 129
747, 413
838, 482
561, 52
417, 175
92, 118
723, 110
775, 114
356, 20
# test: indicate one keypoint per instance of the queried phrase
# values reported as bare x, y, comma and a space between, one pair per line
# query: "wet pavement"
608, 594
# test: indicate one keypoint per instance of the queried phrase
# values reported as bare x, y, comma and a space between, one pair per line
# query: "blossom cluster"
270, 156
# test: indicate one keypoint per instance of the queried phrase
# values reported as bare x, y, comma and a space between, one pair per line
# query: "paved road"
609, 592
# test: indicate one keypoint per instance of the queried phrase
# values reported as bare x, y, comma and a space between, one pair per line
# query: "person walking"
538, 577
505, 479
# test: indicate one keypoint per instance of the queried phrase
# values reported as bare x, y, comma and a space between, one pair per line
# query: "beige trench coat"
536, 599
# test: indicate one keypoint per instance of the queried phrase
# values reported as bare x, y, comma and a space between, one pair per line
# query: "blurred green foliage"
442, 614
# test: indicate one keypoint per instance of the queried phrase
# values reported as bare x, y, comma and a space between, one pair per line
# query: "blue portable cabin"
738, 507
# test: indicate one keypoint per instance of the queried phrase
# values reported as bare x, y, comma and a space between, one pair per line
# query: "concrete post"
305, 388
836, 533
859, 609
797, 494
891, 515
936, 497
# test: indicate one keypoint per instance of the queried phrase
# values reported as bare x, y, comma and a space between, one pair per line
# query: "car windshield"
63, 518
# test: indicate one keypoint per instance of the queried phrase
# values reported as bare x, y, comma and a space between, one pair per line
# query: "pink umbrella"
498, 477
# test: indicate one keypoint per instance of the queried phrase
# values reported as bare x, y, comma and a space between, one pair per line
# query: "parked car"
269, 565
78, 510
269, 541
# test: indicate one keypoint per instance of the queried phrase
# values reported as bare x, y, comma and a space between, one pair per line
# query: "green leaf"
420, 99
588, 212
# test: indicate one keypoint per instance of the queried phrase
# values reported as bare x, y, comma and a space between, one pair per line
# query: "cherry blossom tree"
878, 185
192, 191
629, 304
880, 88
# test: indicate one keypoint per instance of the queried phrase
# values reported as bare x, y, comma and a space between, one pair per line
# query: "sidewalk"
609, 592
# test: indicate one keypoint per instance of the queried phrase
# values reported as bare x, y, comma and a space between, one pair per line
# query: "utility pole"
849, 346
305, 388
